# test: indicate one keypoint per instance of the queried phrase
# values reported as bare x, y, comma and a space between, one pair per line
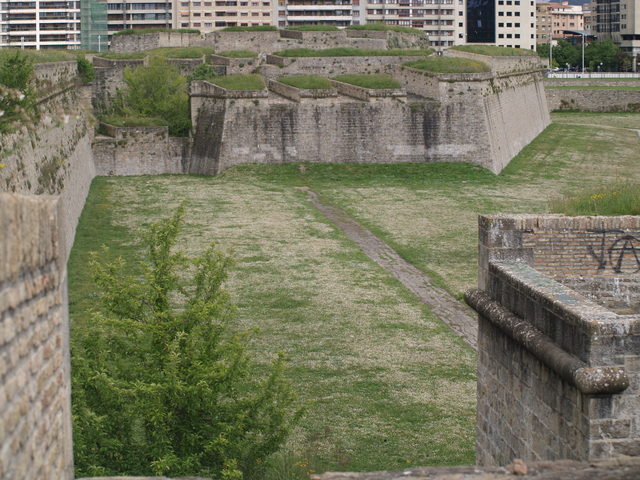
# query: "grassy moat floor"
388, 385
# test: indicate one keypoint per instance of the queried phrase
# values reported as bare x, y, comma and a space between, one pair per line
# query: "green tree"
17, 102
566, 53
604, 52
157, 90
161, 383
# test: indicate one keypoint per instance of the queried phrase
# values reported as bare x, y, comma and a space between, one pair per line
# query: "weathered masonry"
559, 338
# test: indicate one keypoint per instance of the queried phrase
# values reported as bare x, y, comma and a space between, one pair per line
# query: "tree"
566, 53
17, 103
157, 90
603, 52
161, 383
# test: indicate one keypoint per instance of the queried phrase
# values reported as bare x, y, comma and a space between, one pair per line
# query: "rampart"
594, 100
506, 64
484, 119
558, 373
269, 42
35, 409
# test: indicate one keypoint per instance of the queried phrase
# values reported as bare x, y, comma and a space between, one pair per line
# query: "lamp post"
583, 52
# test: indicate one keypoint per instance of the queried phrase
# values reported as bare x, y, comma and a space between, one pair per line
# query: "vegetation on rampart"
351, 52
369, 81
378, 26
168, 52
139, 31
495, 51
253, 28
240, 82
17, 96
314, 28
449, 65
307, 82
238, 54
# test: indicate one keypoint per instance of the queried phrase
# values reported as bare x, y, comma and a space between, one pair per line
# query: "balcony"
319, 18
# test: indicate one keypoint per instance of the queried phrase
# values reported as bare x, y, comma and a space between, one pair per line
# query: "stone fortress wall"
35, 385
559, 366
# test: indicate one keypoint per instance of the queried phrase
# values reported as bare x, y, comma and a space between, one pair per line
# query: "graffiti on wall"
617, 250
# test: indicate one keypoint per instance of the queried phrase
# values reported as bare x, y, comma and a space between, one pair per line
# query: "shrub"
369, 81
17, 98
85, 69
202, 72
161, 382
449, 65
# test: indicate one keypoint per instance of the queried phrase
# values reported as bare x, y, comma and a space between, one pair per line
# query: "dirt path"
452, 312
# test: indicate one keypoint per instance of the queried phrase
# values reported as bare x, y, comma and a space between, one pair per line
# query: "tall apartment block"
40, 24
338, 13
506, 23
618, 20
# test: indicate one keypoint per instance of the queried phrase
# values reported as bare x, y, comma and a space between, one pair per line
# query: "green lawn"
388, 385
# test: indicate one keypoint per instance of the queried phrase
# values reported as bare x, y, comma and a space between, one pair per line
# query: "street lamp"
583, 52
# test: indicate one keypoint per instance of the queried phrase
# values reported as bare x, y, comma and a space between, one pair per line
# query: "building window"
196, 4
509, 35
184, 25
207, 25
501, 35
207, 14
501, 14
517, 25
509, 14
460, 24
196, 14
509, 25
501, 25
266, 14
460, 13
517, 35
197, 24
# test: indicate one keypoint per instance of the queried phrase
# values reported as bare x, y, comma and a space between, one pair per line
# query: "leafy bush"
17, 98
161, 382
314, 28
350, 52
449, 65
494, 51
238, 54
202, 72
307, 82
138, 31
156, 91
611, 200
254, 28
240, 82
378, 26
85, 69
369, 81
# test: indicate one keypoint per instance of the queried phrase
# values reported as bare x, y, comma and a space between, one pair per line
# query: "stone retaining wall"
297, 94
594, 100
366, 94
503, 64
558, 374
35, 387
51, 76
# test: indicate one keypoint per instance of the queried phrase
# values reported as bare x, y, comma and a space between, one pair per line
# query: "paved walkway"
459, 317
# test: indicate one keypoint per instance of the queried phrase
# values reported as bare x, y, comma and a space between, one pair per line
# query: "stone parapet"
366, 94
201, 88
297, 94
506, 64
593, 100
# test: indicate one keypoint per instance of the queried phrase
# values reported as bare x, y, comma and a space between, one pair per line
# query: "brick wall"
558, 373
35, 411
594, 100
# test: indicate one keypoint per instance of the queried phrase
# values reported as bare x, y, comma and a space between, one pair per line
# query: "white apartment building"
40, 24
516, 24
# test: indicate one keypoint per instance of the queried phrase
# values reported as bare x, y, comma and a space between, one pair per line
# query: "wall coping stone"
298, 94
201, 88
362, 93
589, 380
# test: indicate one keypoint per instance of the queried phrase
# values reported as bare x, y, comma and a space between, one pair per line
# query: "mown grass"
138, 31
170, 52
377, 26
388, 385
449, 65
494, 51
123, 56
307, 82
592, 87
351, 52
314, 28
619, 198
240, 82
254, 28
369, 81
238, 54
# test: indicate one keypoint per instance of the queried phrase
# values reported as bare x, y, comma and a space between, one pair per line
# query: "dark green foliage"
606, 53
17, 98
161, 383
85, 69
157, 90
203, 71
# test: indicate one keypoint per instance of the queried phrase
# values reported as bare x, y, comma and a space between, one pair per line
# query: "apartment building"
40, 25
337, 13
618, 20
543, 23
506, 23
